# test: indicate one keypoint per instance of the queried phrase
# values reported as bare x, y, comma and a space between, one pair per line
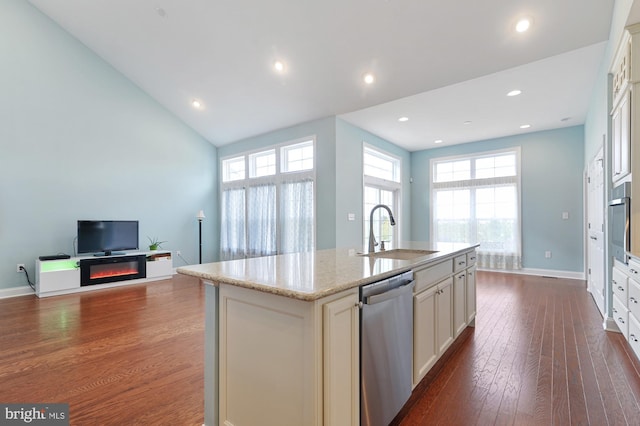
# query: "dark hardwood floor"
537, 356
134, 355
126, 356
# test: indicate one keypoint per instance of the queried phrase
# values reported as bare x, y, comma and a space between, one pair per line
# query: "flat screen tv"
107, 236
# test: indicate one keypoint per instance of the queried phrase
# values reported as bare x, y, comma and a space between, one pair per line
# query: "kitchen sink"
400, 254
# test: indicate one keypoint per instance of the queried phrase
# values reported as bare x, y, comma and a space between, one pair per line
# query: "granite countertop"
312, 275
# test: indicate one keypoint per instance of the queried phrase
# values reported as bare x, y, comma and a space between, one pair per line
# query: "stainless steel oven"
619, 210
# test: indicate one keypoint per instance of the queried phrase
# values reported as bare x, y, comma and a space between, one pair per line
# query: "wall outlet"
19, 266
178, 252
547, 254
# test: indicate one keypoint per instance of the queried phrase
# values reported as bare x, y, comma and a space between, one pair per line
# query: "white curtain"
296, 216
484, 211
232, 234
261, 214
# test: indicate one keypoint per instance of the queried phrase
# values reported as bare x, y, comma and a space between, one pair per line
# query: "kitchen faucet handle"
382, 245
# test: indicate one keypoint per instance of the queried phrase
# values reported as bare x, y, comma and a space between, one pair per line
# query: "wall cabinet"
621, 137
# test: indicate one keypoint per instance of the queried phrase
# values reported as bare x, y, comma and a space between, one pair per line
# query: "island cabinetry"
471, 295
285, 361
459, 302
432, 316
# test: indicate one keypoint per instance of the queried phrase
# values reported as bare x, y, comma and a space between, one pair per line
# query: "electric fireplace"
112, 269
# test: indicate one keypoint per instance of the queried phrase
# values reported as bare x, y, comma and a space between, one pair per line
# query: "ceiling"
435, 62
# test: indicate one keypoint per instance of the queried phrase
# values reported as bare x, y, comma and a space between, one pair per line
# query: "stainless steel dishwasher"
386, 348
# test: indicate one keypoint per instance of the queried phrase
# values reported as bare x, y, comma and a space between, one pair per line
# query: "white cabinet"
471, 295
341, 363
621, 137
432, 326
444, 317
425, 347
459, 302
288, 361
444, 303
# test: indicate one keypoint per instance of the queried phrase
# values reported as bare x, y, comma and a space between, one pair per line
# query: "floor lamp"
200, 219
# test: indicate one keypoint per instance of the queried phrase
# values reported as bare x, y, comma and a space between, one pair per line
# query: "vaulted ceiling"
446, 66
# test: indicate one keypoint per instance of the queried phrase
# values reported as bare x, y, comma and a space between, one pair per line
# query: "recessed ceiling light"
438, 141
565, 119
161, 12
369, 78
403, 119
197, 104
466, 123
523, 25
514, 92
278, 66
525, 126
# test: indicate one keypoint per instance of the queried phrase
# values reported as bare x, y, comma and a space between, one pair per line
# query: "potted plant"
154, 244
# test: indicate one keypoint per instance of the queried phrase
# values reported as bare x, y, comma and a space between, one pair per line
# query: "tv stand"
63, 276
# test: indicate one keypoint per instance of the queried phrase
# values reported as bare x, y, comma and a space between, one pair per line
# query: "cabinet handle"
359, 305
633, 271
461, 263
633, 337
620, 288
614, 282
461, 276
633, 299
615, 311
621, 320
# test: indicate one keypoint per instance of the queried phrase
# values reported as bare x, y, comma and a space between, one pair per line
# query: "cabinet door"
341, 328
444, 320
425, 349
459, 305
471, 294
621, 138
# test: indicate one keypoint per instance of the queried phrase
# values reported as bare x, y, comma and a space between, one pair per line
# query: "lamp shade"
200, 215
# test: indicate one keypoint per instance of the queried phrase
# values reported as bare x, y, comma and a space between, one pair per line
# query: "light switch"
565, 215
351, 216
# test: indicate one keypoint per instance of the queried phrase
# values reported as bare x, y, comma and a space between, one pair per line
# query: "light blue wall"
552, 183
80, 141
349, 185
324, 131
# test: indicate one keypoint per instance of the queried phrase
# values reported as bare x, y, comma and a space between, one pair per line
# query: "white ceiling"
439, 63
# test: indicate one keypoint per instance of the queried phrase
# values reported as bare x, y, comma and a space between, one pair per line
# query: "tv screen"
107, 235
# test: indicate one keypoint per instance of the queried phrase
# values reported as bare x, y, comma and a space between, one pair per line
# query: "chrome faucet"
372, 239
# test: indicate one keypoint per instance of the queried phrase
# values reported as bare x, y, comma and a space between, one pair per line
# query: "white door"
595, 221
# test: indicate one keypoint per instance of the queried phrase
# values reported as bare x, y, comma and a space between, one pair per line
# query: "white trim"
572, 275
6, 293
609, 324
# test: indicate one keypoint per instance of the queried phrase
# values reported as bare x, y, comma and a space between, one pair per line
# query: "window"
381, 186
476, 199
268, 210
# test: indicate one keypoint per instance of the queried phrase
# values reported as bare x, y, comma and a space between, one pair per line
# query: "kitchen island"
282, 332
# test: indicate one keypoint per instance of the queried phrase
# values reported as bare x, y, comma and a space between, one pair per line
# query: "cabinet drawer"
634, 270
619, 285
429, 276
459, 263
471, 258
634, 335
621, 316
633, 303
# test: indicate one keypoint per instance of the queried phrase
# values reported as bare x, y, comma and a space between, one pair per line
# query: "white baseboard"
609, 324
541, 273
5, 293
